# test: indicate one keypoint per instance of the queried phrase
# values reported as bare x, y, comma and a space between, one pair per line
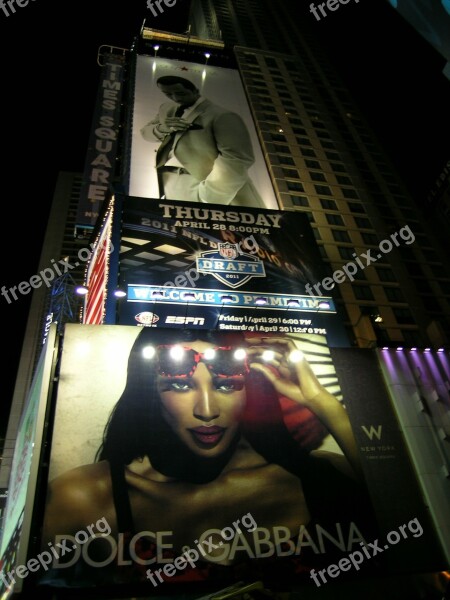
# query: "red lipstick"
208, 436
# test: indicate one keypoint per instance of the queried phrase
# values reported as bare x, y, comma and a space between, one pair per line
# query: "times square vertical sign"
103, 142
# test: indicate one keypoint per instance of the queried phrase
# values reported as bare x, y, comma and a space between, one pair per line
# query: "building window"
328, 204
292, 173
340, 235
307, 152
346, 253
280, 148
299, 130
362, 223
334, 156
370, 239
286, 160
393, 294
403, 316
343, 180
270, 62
323, 189
295, 186
350, 193
337, 167
356, 208
362, 292
385, 274
317, 176
334, 219
300, 201
312, 164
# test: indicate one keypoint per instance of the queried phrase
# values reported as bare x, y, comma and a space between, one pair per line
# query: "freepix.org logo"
229, 265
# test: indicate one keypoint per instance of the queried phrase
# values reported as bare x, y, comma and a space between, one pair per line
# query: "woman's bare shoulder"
80, 495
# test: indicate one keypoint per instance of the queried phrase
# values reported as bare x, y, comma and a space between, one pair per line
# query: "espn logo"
185, 320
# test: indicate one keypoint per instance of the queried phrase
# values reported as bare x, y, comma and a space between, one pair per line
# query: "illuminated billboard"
211, 457
222, 267
193, 137
16, 521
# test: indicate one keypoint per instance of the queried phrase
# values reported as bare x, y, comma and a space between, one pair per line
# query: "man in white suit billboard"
205, 150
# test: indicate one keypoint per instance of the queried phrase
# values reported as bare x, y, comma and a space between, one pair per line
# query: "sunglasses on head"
180, 361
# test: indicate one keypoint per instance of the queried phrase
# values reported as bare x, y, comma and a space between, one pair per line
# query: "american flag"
97, 278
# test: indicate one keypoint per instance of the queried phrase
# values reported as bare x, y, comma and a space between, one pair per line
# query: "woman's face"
203, 408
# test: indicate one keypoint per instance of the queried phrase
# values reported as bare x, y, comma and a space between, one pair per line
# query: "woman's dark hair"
135, 427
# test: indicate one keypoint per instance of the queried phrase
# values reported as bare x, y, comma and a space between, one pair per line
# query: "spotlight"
119, 293
385, 348
268, 355
209, 353
189, 296
296, 356
261, 301
413, 349
399, 348
81, 290
240, 354
157, 294
427, 350
148, 352
176, 352
226, 299
324, 304
441, 349
293, 302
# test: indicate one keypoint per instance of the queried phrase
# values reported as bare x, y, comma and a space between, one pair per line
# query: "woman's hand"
289, 372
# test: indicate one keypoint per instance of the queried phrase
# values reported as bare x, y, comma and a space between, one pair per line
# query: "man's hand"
172, 124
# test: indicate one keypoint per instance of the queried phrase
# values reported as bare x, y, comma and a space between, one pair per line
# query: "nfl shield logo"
228, 250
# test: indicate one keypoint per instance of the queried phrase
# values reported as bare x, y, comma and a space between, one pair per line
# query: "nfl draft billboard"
223, 268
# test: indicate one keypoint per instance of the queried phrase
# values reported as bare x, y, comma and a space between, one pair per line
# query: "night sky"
48, 90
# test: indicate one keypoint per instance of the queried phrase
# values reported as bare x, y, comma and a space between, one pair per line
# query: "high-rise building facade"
326, 161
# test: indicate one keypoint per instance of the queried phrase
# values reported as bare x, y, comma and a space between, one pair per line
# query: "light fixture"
441, 349
260, 301
378, 319
292, 302
399, 348
176, 352
189, 296
81, 290
240, 354
296, 356
226, 299
156, 48
209, 353
323, 304
207, 56
385, 348
148, 352
413, 349
119, 293
158, 294
427, 350
268, 355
